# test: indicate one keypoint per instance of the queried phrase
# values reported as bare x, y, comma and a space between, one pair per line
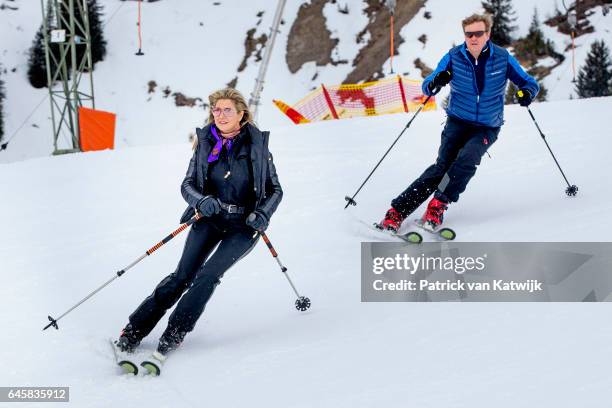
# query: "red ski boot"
434, 216
392, 221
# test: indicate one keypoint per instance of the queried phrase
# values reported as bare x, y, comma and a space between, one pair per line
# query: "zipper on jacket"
229, 164
488, 61
229, 169
476, 85
477, 90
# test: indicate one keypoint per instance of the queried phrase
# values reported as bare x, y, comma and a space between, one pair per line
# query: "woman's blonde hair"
234, 96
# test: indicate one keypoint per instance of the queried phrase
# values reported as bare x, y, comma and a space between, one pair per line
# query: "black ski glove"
441, 79
209, 206
257, 221
523, 96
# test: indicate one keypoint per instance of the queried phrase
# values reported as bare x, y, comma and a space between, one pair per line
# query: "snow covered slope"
191, 49
70, 222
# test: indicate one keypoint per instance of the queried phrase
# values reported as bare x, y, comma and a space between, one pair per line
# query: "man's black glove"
209, 206
257, 221
523, 96
441, 79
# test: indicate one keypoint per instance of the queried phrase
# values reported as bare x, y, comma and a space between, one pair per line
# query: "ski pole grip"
520, 93
251, 217
269, 244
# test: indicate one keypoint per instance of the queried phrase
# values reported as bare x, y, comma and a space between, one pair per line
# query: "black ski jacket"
268, 191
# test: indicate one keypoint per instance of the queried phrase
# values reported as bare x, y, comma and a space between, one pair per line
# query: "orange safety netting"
391, 95
97, 129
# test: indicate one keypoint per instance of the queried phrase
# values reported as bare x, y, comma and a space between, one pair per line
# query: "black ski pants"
462, 146
197, 274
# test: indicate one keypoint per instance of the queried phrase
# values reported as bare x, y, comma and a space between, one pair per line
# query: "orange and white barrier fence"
391, 95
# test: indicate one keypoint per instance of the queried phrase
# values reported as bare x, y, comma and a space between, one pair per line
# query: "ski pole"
118, 274
302, 303
351, 200
571, 189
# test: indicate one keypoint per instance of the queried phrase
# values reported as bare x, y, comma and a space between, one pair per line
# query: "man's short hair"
475, 18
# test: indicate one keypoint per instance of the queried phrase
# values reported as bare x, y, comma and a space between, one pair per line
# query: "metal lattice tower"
263, 67
66, 30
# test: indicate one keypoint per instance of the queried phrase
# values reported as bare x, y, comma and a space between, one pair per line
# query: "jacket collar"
256, 135
487, 48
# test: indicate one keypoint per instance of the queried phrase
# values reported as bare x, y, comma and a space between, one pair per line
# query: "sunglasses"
227, 112
477, 34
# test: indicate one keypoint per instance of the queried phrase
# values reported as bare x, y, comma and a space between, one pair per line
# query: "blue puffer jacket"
486, 108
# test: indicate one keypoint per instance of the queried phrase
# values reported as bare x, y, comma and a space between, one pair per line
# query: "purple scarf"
216, 150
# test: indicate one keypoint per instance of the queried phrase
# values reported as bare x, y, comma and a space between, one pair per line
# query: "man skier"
477, 71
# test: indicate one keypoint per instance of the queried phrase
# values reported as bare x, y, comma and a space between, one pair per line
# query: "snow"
547, 62
190, 50
70, 222
559, 82
345, 28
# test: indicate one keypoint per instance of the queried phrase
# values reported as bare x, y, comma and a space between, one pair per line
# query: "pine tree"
535, 36
595, 76
37, 73
503, 17
550, 46
98, 43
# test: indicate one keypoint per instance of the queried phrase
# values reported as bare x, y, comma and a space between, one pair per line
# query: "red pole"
139, 33
330, 104
392, 50
401, 87
573, 57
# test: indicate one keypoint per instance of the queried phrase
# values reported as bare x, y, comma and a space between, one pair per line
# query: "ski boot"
169, 341
128, 340
392, 221
124, 347
434, 215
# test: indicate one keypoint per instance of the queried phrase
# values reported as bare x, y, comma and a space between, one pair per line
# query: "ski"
129, 362
123, 360
446, 234
153, 364
411, 237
